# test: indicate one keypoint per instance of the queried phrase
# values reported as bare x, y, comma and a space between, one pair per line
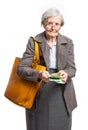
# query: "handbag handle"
36, 59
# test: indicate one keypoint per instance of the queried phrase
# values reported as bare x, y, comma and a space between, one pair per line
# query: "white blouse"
52, 63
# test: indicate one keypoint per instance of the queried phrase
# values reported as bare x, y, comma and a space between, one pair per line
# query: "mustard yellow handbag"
20, 91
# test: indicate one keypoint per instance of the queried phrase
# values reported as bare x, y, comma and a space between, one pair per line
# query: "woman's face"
52, 26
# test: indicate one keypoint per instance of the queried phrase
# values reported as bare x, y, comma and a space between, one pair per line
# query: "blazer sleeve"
70, 67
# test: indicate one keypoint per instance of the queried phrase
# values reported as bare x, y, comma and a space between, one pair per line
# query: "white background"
20, 19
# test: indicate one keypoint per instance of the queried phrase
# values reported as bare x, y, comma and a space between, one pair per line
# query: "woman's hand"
44, 75
63, 75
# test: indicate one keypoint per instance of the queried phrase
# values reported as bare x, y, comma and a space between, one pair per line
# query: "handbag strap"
36, 59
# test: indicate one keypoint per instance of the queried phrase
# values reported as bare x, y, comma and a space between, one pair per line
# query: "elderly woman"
54, 102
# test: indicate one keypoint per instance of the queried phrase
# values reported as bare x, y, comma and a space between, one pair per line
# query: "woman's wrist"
40, 74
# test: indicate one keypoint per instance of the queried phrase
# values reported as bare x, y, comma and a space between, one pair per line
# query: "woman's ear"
44, 26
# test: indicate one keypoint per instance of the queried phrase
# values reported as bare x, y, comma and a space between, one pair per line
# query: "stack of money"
56, 78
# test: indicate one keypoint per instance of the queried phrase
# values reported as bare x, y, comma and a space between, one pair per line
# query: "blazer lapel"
44, 47
61, 53
45, 51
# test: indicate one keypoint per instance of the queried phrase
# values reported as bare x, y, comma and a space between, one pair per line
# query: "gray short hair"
50, 13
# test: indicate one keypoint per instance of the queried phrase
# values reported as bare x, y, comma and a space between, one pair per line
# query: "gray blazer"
65, 61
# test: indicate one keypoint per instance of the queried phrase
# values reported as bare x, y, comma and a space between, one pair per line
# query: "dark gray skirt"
49, 111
